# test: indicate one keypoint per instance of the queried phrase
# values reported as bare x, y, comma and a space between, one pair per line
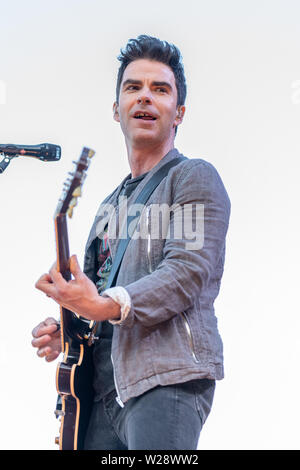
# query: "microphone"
44, 152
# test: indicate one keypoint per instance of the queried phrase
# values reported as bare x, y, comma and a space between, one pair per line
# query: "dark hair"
147, 47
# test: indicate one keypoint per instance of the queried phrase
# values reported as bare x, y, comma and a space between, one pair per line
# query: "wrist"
109, 309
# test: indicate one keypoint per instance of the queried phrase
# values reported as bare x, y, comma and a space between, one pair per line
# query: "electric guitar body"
74, 375
74, 378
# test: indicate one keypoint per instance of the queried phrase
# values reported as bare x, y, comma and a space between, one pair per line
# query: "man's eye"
132, 87
161, 90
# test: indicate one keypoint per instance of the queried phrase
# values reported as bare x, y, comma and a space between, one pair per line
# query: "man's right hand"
46, 337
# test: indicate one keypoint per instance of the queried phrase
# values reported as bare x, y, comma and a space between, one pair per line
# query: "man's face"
147, 109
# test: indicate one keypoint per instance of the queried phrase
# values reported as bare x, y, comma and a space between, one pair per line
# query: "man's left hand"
79, 295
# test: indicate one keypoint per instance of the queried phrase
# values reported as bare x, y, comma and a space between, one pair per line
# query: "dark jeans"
165, 418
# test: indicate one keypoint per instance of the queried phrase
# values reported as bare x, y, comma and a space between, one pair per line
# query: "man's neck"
143, 159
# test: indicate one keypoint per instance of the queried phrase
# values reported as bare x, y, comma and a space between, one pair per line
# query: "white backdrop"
57, 84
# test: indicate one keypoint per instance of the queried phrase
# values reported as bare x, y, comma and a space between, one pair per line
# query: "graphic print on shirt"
104, 261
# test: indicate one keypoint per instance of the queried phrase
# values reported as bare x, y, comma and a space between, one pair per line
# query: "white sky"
57, 83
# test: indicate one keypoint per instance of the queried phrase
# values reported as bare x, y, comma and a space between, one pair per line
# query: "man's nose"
144, 98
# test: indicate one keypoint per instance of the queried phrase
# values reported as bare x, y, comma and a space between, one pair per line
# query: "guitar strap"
133, 221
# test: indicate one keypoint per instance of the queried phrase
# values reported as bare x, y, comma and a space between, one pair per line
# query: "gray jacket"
170, 335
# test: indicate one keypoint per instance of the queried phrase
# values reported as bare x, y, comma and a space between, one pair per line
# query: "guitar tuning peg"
72, 204
70, 212
77, 192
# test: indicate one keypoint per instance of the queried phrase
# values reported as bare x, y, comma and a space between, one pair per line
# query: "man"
159, 351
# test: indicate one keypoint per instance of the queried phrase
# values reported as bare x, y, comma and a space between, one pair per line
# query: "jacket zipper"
190, 337
149, 241
118, 399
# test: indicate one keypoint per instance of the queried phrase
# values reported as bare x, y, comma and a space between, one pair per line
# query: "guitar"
74, 374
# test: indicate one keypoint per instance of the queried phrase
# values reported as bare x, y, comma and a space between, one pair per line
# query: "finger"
36, 329
52, 356
75, 267
50, 321
57, 279
49, 326
42, 352
45, 278
54, 273
41, 341
45, 284
40, 329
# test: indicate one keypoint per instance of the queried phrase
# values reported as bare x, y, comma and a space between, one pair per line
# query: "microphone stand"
6, 161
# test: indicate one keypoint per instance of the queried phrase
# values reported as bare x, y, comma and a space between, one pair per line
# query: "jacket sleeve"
185, 270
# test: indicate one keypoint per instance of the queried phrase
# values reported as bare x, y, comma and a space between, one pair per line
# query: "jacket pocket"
189, 337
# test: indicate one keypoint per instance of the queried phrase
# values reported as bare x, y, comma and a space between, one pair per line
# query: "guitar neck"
63, 255
73, 327
62, 246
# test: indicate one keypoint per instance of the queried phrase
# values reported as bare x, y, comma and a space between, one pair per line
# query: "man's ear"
179, 115
116, 112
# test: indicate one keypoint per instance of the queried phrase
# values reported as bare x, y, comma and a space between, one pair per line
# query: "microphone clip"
6, 161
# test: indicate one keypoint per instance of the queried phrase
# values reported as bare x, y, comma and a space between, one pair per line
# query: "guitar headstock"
73, 184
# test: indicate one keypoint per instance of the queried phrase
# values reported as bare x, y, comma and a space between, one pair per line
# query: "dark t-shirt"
103, 373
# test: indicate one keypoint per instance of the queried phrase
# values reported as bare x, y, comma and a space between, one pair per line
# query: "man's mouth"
144, 116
